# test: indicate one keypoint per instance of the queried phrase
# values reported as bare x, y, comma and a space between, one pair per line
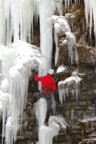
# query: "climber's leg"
49, 108
35, 97
47, 116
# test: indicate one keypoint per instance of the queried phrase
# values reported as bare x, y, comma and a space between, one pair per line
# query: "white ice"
46, 134
5, 86
58, 6
5, 100
16, 62
61, 25
88, 119
16, 17
90, 14
70, 40
67, 85
9, 133
45, 12
41, 108
61, 68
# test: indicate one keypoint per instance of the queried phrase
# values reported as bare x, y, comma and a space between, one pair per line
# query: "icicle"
9, 132
1, 110
72, 114
90, 10
58, 6
53, 104
57, 48
4, 98
71, 42
64, 94
64, 87
76, 55
60, 91
94, 16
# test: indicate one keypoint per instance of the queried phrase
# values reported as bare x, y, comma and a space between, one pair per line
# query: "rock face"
73, 111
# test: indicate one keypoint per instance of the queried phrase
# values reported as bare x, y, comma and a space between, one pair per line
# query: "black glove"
34, 71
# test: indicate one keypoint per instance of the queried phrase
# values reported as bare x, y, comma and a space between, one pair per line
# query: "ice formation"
17, 16
61, 26
9, 133
88, 119
16, 62
1, 109
70, 40
14, 84
69, 84
16, 20
58, 6
46, 133
41, 109
90, 12
61, 68
45, 12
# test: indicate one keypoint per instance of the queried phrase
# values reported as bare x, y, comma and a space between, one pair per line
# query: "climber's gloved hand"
34, 71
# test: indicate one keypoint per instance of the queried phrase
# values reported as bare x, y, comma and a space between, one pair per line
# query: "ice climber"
48, 86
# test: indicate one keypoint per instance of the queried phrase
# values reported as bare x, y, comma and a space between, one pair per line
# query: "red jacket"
47, 81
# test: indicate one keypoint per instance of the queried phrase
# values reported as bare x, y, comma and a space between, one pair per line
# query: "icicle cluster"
16, 17
70, 40
70, 84
67, 2
90, 12
61, 26
16, 63
16, 20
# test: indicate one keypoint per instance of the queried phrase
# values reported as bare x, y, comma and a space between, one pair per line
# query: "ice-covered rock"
72, 84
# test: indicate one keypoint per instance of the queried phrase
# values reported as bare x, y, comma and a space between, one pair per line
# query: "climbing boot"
46, 124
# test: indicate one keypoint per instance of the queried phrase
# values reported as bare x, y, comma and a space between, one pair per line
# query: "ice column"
45, 12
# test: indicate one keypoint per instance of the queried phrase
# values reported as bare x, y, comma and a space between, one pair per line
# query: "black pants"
48, 98
49, 112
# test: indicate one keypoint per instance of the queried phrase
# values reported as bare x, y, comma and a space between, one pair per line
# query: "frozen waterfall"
16, 23
14, 84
